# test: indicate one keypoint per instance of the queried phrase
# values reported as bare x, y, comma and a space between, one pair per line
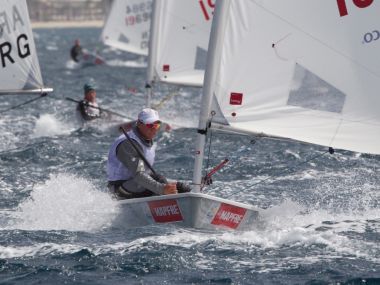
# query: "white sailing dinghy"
179, 36
275, 68
127, 28
19, 67
195, 210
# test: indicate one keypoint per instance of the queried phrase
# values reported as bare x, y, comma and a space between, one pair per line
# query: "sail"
182, 30
305, 70
19, 66
127, 26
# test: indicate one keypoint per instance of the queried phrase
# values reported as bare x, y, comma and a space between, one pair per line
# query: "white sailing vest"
115, 169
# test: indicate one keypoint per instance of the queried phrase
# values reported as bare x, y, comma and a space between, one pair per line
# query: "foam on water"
48, 125
36, 250
128, 63
7, 140
288, 225
13, 129
65, 202
52, 47
70, 64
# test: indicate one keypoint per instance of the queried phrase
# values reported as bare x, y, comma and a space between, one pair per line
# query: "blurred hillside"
69, 11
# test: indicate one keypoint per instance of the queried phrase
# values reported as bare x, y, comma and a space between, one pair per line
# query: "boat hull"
191, 210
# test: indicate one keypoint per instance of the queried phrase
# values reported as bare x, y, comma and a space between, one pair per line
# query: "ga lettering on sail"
229, 216
165, 211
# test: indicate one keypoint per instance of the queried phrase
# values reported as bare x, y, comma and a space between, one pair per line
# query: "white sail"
306, 70
19, 66
182, 30
127, 26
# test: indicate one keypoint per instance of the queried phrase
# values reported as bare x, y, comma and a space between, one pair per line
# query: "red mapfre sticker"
236, 98
165, 211
166, 67
229, 216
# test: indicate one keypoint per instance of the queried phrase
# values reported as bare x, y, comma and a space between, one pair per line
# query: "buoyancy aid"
88, 110
116, 170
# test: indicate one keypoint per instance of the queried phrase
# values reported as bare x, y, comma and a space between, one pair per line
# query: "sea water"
319, 218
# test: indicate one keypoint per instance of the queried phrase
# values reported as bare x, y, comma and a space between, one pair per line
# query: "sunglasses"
155, 125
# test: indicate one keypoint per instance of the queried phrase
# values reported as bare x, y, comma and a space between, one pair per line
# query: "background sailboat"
127, 28
20, 70
180, 31
178, 38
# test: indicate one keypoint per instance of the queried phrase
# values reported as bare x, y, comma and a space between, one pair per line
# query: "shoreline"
67, 24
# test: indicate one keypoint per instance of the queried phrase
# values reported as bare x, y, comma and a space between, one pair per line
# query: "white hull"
193, 210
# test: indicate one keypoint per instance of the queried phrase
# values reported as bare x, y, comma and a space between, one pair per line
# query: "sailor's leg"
124, 193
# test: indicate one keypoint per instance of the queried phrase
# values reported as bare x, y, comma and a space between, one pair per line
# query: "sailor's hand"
170, 188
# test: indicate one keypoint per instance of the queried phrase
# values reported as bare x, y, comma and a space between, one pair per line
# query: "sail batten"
297, 69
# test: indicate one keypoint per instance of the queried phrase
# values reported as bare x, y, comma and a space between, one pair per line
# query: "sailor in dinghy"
83, 57
130, 159
76, 52
88, 108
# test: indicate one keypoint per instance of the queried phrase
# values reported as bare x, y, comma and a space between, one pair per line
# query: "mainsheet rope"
281, 173
24, 103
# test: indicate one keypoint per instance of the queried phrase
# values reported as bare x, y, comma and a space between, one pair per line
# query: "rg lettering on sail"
16, 44
229, 216
165, 211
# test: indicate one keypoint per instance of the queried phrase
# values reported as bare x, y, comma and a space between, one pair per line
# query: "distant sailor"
76, 51
88, 107
128, 175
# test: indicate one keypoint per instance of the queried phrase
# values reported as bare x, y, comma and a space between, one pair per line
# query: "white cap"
148, 116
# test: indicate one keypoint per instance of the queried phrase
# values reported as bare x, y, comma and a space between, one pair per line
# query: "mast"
213, 61
152, 52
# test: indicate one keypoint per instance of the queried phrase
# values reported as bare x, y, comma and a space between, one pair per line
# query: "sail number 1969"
207, 8
342, 7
